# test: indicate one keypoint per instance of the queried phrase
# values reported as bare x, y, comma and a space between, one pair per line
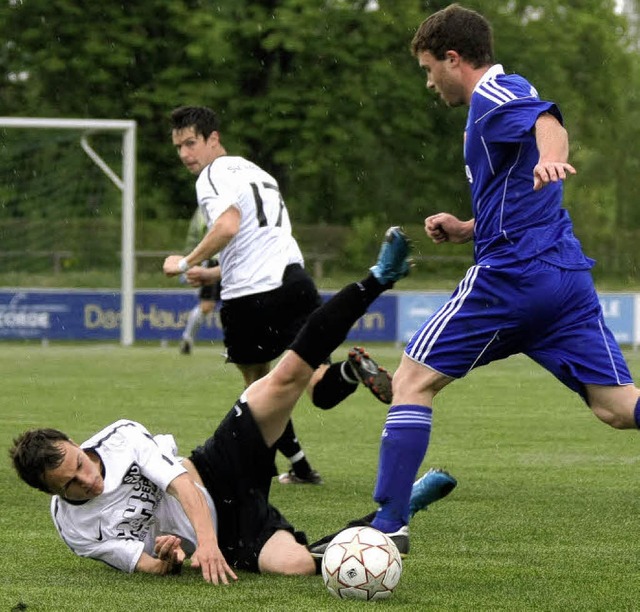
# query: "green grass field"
545, 516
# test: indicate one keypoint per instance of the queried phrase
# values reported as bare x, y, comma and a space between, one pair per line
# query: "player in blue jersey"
530, 290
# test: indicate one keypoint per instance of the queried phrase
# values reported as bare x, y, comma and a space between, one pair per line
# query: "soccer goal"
58, 214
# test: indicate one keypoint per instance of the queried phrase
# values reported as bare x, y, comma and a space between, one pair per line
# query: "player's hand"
213, 565
197, 276
434, 228
444, 227
167, 548
550, 172
170, 266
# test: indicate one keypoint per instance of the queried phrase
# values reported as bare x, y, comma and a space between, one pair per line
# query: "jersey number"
266, 193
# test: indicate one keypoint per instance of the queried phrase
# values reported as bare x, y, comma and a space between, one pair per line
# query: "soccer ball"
361, 563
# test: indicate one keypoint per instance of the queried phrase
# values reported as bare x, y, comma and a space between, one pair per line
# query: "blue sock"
404, 444
636, 413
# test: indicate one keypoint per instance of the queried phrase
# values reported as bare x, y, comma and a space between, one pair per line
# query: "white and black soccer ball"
361, 563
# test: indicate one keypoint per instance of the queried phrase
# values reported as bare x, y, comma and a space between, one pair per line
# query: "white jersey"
123, 521
255, 259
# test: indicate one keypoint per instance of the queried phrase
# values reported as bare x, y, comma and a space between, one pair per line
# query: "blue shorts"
550, 314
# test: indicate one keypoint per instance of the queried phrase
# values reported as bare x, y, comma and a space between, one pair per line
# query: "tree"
324, 94
108, 60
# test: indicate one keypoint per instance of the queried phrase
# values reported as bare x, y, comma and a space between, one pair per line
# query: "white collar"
493, 72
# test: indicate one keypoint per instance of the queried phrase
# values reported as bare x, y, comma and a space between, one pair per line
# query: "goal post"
125, 183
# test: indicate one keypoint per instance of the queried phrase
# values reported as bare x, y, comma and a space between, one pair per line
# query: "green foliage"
542, 519
363, 240
326, 95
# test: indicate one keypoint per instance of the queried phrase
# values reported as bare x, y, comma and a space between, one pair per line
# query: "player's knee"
413, 383
401, 381
291, 373
300, 564
283, 555
206, 307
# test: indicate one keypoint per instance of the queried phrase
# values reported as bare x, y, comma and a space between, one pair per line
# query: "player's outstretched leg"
273, 397
328, 326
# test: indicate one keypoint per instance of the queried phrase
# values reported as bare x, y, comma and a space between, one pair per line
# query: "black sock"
332, 388
301, 468
289, 446
328, 326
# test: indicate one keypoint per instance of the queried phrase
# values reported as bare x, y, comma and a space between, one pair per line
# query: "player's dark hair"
202, 119
456, 28
36, 451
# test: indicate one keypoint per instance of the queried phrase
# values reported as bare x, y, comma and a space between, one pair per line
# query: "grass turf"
545, 516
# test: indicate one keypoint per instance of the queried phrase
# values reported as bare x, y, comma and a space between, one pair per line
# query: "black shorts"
236, 467
258, 328
210, 292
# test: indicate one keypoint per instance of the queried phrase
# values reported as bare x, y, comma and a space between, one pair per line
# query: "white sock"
193, 324
299, 455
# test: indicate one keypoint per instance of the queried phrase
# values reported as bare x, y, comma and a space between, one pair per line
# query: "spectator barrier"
70, 314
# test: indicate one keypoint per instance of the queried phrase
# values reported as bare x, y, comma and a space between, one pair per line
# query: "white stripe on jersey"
431, 331
504, 193
499, 92
486, 150
496, 93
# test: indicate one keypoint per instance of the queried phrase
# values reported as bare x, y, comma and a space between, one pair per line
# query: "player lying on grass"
109, 499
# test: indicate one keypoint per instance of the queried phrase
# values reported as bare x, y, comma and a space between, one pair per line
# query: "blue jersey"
512, 222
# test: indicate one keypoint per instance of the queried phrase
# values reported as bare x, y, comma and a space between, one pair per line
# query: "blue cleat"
392, 264
434, 485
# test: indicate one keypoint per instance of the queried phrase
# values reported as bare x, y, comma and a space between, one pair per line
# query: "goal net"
67, 201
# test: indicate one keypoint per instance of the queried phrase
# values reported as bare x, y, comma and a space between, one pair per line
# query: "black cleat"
370, 374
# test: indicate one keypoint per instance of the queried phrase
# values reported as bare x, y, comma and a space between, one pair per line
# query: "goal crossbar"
126, 184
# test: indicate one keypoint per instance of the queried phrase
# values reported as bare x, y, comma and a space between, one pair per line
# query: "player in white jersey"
124, 498
266, 293
133, 506
255, 259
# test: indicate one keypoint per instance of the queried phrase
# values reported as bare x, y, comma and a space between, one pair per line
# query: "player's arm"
445, 227
552, 140
198, 276
168, 560
223, 230
207, 556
